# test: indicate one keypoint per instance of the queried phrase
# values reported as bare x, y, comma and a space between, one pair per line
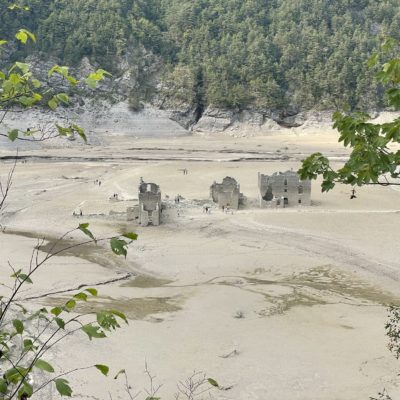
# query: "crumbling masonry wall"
227, 193
149, 204
284, 189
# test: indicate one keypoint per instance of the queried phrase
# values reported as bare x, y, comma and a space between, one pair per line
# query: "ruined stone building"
227, 193
283, 189
148, 211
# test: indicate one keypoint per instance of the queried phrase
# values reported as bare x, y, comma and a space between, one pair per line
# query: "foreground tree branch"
374, 157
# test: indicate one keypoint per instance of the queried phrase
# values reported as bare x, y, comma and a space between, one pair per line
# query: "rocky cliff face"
110, 108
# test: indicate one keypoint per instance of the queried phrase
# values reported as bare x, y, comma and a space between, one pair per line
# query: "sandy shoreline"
311, 283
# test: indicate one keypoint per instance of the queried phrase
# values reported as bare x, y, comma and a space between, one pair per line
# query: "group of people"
79, 214
226, 209
114, 196
97, 182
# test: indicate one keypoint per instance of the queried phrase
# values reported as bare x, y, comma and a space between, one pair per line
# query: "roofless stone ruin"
283, 189
148, 211
227, 193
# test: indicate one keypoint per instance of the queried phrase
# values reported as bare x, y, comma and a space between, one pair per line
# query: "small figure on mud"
223, 208
80, 213
353, 194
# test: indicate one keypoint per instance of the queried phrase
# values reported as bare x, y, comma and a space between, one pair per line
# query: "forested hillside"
270, 54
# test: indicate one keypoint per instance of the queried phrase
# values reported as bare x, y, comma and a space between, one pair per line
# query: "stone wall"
283, 189
227, 193
149, 204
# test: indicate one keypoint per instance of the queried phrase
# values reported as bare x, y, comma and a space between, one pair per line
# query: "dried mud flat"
278, 304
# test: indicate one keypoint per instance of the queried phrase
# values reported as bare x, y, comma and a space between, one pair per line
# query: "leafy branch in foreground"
374, 158
27, 336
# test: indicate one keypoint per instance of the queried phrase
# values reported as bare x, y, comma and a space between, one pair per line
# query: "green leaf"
107, 320
80, 132
84, 228
92, 291
118, 246
43, 365
63, 98
52, 103
60, 322
15, 274
120, 315
373, 60
93, 331
25, 278
15, 374
130, 235
103, 369
23, 67
12, 135
64, 131
18, 325
63, 387
70, 304
28, 345
56, 311
92, 83
26, 390
18, 7
213, 382
3, 386
36, 84
81, 296
23, 34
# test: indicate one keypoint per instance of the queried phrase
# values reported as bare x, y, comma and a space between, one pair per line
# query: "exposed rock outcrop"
215, 120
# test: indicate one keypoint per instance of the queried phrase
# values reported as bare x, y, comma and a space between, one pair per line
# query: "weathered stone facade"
149, 204
148, 211
283, 189
227, 193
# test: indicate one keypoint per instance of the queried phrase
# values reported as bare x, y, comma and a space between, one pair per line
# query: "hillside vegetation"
266, 54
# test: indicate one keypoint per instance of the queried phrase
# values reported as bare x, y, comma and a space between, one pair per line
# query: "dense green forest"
225, 53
